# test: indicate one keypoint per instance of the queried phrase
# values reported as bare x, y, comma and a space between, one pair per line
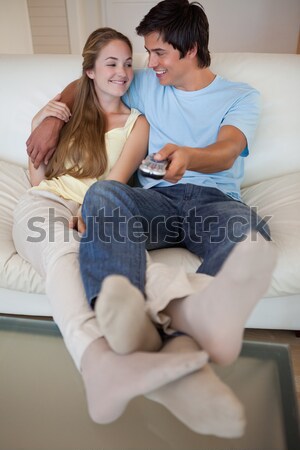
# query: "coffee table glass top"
42, 402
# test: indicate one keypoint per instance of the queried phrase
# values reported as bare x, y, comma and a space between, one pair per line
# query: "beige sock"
120, 311
112, 380
201, 400
215, 317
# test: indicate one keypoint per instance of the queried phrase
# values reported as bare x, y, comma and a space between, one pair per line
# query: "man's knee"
102, 194
245, 220
261, 226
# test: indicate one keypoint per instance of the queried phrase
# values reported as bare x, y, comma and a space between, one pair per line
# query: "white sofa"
272, 179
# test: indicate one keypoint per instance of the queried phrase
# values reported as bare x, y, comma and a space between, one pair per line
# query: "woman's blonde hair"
81, 151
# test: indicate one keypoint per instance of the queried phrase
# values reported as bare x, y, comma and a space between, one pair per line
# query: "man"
204, 126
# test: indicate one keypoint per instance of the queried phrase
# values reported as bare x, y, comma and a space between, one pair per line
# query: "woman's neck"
112, 105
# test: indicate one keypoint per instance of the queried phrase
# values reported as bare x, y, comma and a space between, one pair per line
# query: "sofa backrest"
29, 81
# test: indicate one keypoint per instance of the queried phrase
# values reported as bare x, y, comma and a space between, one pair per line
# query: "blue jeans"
122, 222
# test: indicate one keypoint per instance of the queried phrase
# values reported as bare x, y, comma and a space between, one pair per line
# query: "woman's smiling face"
113, 72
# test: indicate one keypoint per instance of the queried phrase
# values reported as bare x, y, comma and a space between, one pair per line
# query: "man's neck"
197, 79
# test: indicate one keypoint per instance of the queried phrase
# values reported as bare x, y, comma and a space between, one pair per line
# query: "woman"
103, 139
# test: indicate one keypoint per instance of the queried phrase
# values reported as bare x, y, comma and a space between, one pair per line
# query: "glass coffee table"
42, 402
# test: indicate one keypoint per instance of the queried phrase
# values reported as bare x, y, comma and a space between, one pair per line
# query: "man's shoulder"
237, 86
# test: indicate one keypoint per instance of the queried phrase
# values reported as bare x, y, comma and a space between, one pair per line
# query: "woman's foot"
201, 400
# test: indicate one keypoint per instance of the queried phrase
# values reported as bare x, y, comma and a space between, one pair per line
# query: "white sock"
120, 311
201, 400
112, 380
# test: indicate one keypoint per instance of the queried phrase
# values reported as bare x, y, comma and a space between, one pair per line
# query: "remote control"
152, 168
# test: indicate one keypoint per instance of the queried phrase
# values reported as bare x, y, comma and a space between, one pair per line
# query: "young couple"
203, 124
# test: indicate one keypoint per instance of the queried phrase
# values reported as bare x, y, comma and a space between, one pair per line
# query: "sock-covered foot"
216, 316
201, 400
120, 311
112, 380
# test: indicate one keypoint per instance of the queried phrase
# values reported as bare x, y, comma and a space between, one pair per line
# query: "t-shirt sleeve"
244, 115
134, 97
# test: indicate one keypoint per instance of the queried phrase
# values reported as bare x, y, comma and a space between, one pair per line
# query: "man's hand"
77, 223
178, 161
43, 141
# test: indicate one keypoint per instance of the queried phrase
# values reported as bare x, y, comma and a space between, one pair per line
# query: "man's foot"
112, 380
120, 311
215, 317
201, 400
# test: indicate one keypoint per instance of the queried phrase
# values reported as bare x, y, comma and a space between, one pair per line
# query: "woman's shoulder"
134, 112
135, 117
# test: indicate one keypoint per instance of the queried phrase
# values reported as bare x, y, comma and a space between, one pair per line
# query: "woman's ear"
90, 74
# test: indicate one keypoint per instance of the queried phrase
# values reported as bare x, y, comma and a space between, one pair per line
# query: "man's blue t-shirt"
193, 119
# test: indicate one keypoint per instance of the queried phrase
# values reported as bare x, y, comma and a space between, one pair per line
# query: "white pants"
42, 237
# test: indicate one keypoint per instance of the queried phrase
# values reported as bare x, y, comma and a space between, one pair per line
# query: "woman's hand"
54, 108
77, 223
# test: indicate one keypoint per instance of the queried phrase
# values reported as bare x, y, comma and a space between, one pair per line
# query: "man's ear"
90, 73
193, 51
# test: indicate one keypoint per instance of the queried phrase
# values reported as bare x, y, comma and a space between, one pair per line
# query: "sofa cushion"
279, 198
15, 273
276, 77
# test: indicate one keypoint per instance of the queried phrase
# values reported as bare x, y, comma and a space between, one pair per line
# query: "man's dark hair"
182, 24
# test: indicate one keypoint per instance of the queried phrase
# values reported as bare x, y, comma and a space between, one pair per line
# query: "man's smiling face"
165, 60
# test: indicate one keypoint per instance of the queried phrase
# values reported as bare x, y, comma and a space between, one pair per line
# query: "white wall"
84, 16
235, 25
270, 26
15, 33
